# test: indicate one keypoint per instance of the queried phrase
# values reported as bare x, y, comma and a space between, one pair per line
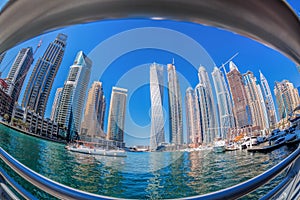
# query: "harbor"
147, 175
291, 139
114, 101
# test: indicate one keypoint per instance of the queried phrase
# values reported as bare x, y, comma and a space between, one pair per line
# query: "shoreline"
32, 134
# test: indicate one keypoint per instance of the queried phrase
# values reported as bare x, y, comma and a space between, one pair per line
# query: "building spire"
262, 77
232, 66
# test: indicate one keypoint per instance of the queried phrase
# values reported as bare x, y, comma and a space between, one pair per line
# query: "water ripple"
139, 175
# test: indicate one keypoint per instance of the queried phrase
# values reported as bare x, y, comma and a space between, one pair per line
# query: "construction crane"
223, 65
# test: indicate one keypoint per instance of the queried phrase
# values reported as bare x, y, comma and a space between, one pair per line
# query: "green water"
139, 175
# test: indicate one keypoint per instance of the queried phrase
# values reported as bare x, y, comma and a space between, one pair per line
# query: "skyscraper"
272, 116
18, 72
73, 95
207, 107
157, 135
55, 104
287, 97
241, 109
224, 102
259, 122
116, 116
41, 80
175, 107
263, 104
201, 98
2, 55
194, 136
93, 121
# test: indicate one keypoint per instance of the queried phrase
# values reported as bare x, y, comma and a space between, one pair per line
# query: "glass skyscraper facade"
287, 97
2, 55
207, 108
73, 95
201, 97
116, 116
264, 107
18, 72
226, 117
55, 104
241, 108
194, 137
41, 80
258, 117
175, 107
93, 121
270, 106
157, 135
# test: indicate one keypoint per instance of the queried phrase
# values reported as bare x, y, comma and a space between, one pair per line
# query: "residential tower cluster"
244, 105
65, 122
222, 105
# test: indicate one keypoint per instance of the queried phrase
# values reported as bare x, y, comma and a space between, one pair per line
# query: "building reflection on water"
147, 175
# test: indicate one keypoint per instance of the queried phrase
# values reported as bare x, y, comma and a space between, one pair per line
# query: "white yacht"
219, 146
97, 151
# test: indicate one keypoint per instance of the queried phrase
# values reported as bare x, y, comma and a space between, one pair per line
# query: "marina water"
156, 175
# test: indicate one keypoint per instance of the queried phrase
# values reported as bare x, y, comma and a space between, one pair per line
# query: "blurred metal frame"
271, 22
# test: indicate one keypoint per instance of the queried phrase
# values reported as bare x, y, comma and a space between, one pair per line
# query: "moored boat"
248, 142
232, 147
291, 138
97, 151
219, 146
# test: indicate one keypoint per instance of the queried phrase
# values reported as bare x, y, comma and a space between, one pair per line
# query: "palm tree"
26, 126
20, 123
62, 131
6, 117
14, 121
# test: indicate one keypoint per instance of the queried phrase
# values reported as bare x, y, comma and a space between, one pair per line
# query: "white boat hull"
219, 146
219, 149
102, 152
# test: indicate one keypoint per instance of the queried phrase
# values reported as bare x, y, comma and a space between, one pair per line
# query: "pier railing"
49, 186
288, 188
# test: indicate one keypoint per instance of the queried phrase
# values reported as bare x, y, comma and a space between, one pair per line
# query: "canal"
139, 175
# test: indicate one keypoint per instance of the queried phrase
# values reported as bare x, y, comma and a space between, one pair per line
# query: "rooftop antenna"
223, 65
38, 46
173, 62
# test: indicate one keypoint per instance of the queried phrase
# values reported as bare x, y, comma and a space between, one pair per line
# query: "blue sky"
2, 3
122, 51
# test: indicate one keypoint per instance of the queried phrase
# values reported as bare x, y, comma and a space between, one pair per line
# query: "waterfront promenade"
32, 134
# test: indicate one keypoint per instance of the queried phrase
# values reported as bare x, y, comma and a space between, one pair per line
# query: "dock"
265, 147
